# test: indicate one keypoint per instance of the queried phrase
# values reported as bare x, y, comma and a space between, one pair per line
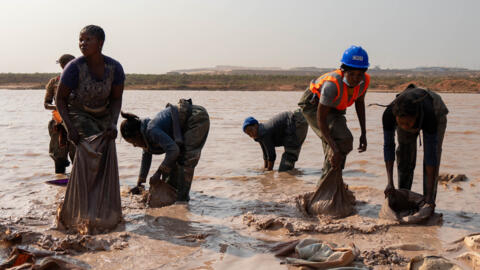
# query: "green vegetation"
13, 78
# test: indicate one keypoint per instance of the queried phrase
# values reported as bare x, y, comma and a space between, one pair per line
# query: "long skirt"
92, 200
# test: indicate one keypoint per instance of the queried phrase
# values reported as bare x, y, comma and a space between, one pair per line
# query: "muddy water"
211, 232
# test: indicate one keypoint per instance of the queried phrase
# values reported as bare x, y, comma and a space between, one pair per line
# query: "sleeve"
430, 142
161, 139
388, 135
429, 124
69, 76
146, 163
328, 94
119, 75
270, 149
50, 91
264, 151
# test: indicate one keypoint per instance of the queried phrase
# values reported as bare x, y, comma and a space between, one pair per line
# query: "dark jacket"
158, 136
278, 131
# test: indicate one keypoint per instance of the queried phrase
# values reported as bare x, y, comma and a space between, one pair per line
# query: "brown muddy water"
230, 193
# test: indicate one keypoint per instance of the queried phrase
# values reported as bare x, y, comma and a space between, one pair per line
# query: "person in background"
414, 110
287, 129
89, 100
179, 132
60, 148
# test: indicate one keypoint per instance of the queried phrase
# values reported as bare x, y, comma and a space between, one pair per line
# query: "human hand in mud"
389, 190
335, 159
363, 143
111, 132
73, 136
137, 189
160, 174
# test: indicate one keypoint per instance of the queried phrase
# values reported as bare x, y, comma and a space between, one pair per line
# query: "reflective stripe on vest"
341, 101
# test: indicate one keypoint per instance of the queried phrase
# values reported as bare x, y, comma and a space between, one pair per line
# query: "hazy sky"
158, 36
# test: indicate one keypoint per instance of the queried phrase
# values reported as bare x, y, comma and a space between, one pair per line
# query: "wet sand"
221, 227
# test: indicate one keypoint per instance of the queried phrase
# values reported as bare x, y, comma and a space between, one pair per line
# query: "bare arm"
48, 103
116, 102
360, 109
390, 185
265, 156
322, 113
115, 107
430, 185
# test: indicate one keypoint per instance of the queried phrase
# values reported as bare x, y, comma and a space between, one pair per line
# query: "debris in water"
432, 262
473, 242
452, 178
382, 256
194, 237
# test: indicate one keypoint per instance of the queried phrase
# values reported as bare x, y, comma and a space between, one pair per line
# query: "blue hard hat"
355, 57
249, 121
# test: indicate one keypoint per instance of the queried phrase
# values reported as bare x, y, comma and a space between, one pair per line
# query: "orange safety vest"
341, 100
56, 116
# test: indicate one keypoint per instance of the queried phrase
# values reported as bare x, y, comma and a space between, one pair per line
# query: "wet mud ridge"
298, 222
33, 242
18, 243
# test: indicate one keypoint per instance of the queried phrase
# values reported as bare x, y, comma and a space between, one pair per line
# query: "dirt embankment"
385, 83
452, 85
22, 86
444, 85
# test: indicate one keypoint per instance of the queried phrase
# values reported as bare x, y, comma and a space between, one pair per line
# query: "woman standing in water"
89, 100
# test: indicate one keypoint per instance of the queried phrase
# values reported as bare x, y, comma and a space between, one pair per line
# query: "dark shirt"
428, 126
273, 133
70, 74
158, 136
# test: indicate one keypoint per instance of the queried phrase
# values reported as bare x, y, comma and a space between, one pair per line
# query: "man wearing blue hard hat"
324, 106
287, 129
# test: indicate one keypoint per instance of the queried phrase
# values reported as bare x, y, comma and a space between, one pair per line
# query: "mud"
383, 256
237, 212
324, 225
471, 259
452, 178
473, 242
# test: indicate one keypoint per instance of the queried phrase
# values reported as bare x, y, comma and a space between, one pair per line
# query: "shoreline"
439, 82
37, 87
